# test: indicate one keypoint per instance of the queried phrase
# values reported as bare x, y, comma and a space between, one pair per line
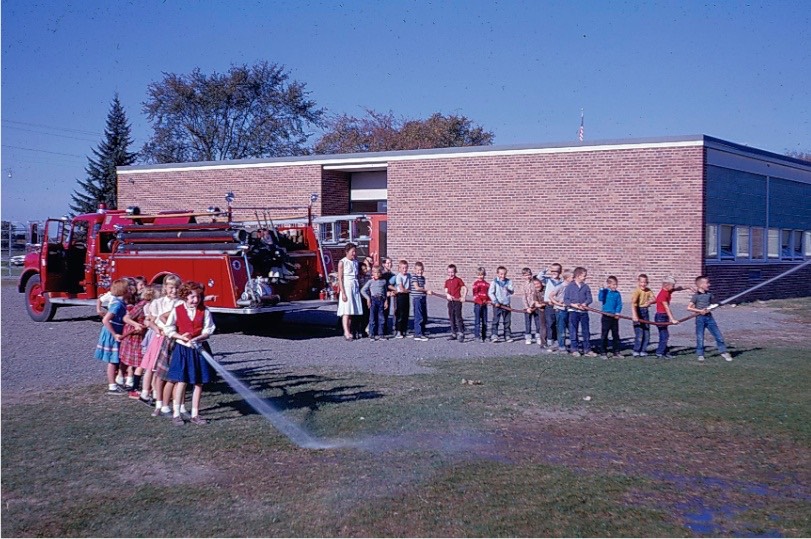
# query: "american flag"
580, 131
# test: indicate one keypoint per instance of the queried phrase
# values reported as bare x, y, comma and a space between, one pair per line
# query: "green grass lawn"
659, 449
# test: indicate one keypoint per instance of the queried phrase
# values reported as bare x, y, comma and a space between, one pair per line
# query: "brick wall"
198, 189
335, 192
730, 279
618, 212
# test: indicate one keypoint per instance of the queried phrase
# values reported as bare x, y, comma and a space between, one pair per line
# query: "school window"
725, 241
741, 242
758, 243
786, 251
797, 244
807, 242
712, 241
774, 243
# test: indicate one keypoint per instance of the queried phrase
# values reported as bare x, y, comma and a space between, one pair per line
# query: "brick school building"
678, 206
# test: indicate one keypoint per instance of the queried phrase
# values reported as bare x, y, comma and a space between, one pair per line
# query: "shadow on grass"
290, 326
273, 380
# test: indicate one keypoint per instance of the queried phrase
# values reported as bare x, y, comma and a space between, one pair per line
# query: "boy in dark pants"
480, 301
701, 303
419, 299
402, 285
374, 291
612, 307
387, 275
455, 292
577, 297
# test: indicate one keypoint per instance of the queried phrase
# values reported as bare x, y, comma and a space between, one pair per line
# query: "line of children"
166, 370
555, 304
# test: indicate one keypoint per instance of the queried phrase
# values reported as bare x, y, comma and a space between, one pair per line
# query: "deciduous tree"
101, 183
250, 111
377, 132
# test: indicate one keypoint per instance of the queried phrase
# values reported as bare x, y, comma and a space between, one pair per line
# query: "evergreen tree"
101, 182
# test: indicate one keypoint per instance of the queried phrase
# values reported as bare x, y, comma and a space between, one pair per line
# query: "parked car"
17, 260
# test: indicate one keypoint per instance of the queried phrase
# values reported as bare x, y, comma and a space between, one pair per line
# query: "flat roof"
370, 159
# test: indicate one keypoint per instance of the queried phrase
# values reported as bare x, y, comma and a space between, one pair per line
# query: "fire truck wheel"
39, 307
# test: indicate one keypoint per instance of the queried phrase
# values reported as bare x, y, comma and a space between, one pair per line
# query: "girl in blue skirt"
111, 332
189, 325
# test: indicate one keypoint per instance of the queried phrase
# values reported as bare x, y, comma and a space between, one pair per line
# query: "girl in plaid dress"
130, 350
113, 327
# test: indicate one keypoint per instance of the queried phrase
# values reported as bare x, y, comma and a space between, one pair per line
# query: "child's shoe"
635, 354
461, 337
452, 337
494, 339
590, 353
177, 421
575, 354
134, 395
727, 356
197, 420
117, 390
398, 335
528, 339
701, 358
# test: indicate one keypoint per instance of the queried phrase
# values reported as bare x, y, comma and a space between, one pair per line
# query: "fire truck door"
53, 256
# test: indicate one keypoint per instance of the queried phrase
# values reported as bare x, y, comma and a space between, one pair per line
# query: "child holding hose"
189, 325
700, 304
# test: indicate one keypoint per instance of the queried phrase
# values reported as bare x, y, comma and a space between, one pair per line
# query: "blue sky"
734, 70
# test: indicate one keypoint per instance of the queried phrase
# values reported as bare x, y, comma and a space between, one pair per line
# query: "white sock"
130, 380
195, 412
176, 410
119, 380
159, 404
183, 409
165, 409
111, 386
144, 394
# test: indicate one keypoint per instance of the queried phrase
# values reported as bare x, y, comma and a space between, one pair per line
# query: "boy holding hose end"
701, 303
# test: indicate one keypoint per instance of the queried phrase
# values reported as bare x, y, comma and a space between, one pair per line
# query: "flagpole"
581, 131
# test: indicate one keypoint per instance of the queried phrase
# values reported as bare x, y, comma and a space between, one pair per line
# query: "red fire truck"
248, 268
